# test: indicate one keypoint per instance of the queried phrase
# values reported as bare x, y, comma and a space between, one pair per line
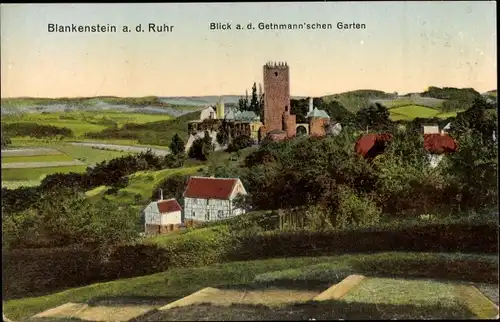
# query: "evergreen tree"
243, 102
177, 146
254, 102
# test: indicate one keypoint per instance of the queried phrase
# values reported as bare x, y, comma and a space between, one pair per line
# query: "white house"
431, 129
211, 199
162, 216
207, 113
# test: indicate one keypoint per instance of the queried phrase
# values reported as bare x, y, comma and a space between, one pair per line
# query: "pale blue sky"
406, 46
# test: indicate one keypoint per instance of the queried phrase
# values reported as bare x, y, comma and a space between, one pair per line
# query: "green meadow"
33, 174
38, 158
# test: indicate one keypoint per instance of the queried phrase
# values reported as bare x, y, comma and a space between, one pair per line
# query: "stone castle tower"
277, 117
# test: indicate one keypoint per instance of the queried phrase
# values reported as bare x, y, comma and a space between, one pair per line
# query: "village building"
436, 146
442, 127
162, 216
276, 121
319, 120
211, 199
430, 128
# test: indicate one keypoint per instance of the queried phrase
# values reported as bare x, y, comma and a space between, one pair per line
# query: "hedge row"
35, 271
431, 238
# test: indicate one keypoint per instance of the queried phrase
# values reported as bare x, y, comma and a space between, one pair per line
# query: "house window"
193, 214
220, 214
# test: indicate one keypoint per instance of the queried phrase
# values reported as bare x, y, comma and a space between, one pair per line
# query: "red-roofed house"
373, 144
437, 145
162, 216
210, 199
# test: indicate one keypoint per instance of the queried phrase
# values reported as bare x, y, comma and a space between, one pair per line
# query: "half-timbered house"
162, 216
210, 199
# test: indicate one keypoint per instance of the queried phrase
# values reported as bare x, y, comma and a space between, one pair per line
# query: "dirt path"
117, 147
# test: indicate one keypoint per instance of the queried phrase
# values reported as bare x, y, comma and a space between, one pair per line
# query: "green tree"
243, 104
476, 119
223, 135
5, 141
177, 145
375, 117
63, 217
473, 169
254, 101
201, 148
240, 142
173, 187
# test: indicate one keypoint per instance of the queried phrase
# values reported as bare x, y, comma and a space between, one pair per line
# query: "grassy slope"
180, 282
142, 183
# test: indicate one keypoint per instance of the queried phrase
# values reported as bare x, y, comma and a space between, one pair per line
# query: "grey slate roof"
241, 116
317, 113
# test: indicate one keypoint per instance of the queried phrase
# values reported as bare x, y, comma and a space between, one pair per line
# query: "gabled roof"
439, 143
169, 205
247, 115
165, 206
229, 115
317, 113
210, 188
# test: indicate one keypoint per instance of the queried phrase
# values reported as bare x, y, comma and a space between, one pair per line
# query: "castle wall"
290, 125
317, 126
276, 96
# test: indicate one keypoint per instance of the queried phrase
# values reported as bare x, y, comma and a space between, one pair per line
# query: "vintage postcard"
249, 161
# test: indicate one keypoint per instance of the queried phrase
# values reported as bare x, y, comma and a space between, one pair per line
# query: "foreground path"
355, 297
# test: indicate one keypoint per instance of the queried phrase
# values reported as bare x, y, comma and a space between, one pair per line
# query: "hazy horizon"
405, 48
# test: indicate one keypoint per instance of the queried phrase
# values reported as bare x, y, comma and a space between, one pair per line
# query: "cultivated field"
32, 174
421, 101
413, 111
28, 166
83, 122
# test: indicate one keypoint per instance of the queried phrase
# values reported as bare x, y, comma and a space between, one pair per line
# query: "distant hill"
492, 95
204, 100
443, 100
355, 100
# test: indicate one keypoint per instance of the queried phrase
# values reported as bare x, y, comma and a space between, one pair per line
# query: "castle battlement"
273, 65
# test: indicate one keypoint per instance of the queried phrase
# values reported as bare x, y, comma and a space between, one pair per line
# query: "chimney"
161, 194
310, 104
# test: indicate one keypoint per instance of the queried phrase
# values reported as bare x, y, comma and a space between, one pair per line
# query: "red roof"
367, 144
439, 143
169, 205
210, 188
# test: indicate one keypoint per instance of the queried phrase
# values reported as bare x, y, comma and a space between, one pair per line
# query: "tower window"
286, 108
275, 73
